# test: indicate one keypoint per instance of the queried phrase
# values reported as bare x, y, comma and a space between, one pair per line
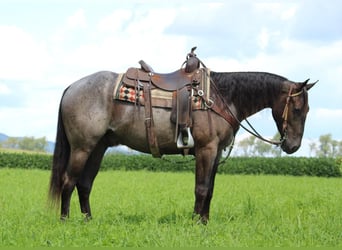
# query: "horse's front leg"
206, 167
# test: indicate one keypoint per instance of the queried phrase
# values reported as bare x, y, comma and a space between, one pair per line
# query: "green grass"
154, 209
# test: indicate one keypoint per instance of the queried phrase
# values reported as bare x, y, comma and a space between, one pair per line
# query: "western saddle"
181, 83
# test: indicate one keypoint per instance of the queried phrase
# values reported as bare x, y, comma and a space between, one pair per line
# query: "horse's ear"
305, 82
307, 85
310, 85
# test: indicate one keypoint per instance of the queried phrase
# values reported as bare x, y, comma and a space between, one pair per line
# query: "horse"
90, 121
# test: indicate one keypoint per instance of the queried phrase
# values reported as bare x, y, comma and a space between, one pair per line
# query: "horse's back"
95, 85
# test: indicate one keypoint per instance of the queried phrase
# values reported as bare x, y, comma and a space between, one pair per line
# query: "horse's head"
289, 112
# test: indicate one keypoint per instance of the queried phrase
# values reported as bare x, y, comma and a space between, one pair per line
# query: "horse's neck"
248, 92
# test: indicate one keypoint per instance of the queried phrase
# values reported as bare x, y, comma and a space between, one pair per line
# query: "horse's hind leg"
77, 161
86, 180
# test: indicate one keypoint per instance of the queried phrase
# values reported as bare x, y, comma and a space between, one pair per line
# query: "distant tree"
325, 147
247, 145
312, 148
328, 147
30, 143
255, 147
262, 149
276, 151
26, 143
334, 147
339, 151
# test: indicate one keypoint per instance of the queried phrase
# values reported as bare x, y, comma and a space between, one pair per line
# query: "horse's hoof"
87, 217
63, 218
199, 219
204, 221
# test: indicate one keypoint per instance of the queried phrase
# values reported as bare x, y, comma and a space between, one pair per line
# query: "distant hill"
50, 147
3, 137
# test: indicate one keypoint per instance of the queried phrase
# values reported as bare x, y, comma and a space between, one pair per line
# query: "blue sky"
47, 45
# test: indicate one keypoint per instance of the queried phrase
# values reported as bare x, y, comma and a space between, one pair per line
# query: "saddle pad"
160, 98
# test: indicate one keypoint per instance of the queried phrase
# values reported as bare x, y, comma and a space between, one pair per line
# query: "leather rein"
284, 117
252, 130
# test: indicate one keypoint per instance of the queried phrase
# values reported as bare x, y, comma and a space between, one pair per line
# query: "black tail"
60, 160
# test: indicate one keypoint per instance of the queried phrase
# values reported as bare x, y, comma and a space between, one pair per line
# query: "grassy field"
154, 209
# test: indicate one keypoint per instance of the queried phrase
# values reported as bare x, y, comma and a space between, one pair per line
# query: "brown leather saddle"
181, 83
182, 91
169, 82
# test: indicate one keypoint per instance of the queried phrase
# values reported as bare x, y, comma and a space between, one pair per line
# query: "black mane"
252, 89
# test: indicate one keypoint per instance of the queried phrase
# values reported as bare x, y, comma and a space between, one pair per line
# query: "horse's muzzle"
289, 148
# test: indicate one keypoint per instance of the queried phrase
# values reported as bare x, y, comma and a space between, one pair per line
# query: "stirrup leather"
185, 139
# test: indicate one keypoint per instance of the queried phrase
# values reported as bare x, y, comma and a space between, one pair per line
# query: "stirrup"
185, 141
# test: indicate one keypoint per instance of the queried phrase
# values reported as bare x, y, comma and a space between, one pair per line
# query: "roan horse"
90, 121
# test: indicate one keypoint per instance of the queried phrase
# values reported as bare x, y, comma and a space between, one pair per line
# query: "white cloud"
284, 10
116, 21
69, 31
263, 38
77, 20
22, 57
31, 123
289, 13
4, 89
126, 37
297, 61
38, 117
323, 113
322, 121
152, 22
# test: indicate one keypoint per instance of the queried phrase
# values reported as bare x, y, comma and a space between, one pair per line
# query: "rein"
252, 130
284, 117
210, 103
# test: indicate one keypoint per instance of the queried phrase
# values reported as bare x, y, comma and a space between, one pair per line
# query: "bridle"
253, 131
284, 117
286, 112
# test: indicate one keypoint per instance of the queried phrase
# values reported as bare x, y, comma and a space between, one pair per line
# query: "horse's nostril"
294, 148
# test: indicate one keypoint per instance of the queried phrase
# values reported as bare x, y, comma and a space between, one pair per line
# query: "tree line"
26, 143
250, 146
325, 147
